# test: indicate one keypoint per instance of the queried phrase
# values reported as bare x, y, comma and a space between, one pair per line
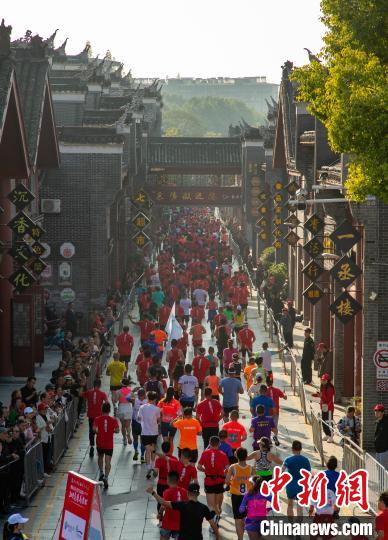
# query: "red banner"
195, 196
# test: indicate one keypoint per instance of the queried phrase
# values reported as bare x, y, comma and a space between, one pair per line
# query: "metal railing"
377, 482
316, 426
33, 470
58, 440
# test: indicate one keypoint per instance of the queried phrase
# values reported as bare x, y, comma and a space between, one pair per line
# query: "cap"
16, 518
235, 355
42, 407
322, 344
67, 377
231, 371
193, 488
379, 407
239, 307
3, 429
28, 410
325, 377
259, 377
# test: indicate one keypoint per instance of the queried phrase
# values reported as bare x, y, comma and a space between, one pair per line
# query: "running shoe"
276, 440
149, 474
135, 456
106, 485
101, 477
91, 451
142, 459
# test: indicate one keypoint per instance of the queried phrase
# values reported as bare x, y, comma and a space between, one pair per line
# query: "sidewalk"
129, 514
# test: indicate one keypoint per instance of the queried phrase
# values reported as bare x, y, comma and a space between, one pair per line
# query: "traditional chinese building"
337, 259
28, 148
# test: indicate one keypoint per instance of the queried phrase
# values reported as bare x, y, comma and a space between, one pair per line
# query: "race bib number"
243, 489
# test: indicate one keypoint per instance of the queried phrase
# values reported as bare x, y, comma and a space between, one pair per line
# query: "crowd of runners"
184, 394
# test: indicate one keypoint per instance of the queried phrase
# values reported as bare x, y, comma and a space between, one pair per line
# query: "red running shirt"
187, 475
201, 366
95, 398
165, 465
209, 411
172, 518
235, 431
215, 462
106, 426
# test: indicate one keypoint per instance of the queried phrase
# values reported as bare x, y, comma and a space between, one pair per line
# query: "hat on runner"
42, 407
231, 371
235, 355
239, 307
16, 518
259, 377
325, 377
379, 407
28, 410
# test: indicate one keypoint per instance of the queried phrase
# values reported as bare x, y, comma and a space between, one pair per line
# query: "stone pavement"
129, 514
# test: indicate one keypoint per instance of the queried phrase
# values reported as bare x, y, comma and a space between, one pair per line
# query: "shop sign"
67, 250
345, 236
21, 253
277, 244
292, 238
314, 248
292, 221
141, 221
67, 295
313, 293
277, 233
292, 187
37, 266
313, 270
141, 199
277, 221
141, 240
22, 279
314, 224
345, 271
263, 236
263, 222
278, 185
21, 224
20, 197
64, 273
277, 209
345, 307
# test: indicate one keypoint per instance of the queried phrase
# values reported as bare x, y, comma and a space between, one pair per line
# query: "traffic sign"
380, 360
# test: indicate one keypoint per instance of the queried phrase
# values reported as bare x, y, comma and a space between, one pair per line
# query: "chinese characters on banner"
350, 489
196, 196
277, 199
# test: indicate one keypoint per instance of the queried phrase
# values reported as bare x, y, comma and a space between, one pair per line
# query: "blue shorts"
167, 429
292, 490
168, 534
253, 525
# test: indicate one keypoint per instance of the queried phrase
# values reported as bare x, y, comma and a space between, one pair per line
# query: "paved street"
129, 513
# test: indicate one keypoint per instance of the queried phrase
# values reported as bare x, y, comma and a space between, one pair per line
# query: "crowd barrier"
33, 470
316, 427
377, 482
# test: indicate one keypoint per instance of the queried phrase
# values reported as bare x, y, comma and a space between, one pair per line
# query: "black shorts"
236, 501
114, 388
136, 428
228, 410
217, 489
149, 439
125, 359
105, 451
160, 489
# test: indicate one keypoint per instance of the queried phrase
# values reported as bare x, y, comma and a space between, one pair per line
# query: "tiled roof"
194, 151
31, 76
6, 68
104, 117
114, 102
99, 135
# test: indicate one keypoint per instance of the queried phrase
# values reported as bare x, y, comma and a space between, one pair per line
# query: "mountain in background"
204, 116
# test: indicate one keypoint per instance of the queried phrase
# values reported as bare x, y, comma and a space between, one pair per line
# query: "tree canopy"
204, 116
346, 88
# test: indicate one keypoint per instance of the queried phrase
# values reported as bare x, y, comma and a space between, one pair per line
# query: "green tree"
182, 123
346, 88
268, 257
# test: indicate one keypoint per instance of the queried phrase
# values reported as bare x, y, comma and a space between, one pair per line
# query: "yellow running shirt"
116, 370
239, 483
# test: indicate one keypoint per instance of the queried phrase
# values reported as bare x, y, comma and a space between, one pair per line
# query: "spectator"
16, 407
17, 447
29, 393
287, 327
326, 394
381, 435
307, 357
45, 429
381, 521
323, 360
13, 527
350, 425
70, 319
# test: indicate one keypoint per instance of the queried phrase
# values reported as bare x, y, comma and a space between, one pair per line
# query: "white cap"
28, 410
16, 518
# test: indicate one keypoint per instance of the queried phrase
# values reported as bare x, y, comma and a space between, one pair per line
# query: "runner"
214, 464
261, 426
264, 459
140, 400
189, 428
124, 343
246, 338
149, 418
94, 399
293, 464
255, 506
192, 513
171, 522
265, 400
201, 367
188, 387
171, 408
209, 413
117, 371
197, 331
105, 426
238, 481
235, 430
230, 387
164, 464
188, 472
173, 356
213, 381
124, 413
